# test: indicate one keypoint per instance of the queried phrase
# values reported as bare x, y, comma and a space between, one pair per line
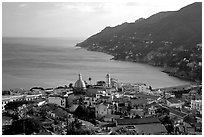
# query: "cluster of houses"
134, 107
131, 101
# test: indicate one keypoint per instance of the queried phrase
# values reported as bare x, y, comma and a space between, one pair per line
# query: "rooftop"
155, 128
178, 113
174, 100
138, 101
137, 121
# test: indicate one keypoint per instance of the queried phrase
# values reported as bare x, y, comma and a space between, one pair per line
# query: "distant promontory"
171, 39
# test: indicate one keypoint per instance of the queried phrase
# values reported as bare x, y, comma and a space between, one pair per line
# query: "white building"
144, 88
108, 81
80, 86
57, 99
90, 101
174, 102
102, 110
152, 110
197, 104
13, 98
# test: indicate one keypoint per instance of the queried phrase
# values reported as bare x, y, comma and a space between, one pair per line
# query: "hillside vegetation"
171, 39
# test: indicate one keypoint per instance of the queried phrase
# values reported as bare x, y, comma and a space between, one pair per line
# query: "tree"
70, 85
137, 116
6, 92
24, 126
150, 88
90, 80
167, 122
162, 111
75, 128
15, 105
80, 112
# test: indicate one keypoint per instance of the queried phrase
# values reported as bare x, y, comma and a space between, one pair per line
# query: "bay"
52, 62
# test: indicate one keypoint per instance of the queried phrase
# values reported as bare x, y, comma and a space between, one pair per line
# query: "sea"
53, 62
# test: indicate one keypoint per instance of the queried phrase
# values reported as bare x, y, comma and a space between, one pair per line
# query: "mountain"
170, 39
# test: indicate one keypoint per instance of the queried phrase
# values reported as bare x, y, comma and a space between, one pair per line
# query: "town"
107, 107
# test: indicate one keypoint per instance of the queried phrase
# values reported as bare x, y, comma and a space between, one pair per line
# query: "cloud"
87, 7
22, 5
132, 4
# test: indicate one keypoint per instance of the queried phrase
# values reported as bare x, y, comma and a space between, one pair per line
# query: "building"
57, 99
136, 112
152, 110
69, 98
92, 91
177, 115
197, 104
134, 88
15, 98
138, 102
79, 86
90, 101
104, 99
102, 109
108, 81
6, 120
143, 88
143, 126
174, 102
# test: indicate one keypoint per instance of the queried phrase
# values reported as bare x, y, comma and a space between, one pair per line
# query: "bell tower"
108, 81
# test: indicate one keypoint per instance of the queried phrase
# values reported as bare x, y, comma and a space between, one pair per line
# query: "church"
80, 86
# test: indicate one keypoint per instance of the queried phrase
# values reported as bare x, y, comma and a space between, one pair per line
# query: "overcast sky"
77, 19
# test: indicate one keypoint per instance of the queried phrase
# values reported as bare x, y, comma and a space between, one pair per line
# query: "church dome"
80, 83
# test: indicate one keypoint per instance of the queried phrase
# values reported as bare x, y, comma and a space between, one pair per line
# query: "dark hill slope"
164, 39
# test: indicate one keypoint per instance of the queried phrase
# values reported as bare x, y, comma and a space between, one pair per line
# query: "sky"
77, 19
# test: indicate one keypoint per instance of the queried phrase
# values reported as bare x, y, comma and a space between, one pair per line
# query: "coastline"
164, 70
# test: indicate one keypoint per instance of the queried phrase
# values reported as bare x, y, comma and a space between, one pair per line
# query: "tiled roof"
190, 119
60, 113
112, 116
155, 128
174, 100
153, 104
137, 121
138, 101
73, 108
177, 113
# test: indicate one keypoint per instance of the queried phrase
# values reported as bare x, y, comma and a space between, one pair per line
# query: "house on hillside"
177, 115
174, 102
102, 109
136, 112
138, 102
197, 105
92, 91
57, 99
90, 100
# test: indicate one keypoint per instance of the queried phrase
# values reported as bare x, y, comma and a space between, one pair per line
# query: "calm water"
29, 62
